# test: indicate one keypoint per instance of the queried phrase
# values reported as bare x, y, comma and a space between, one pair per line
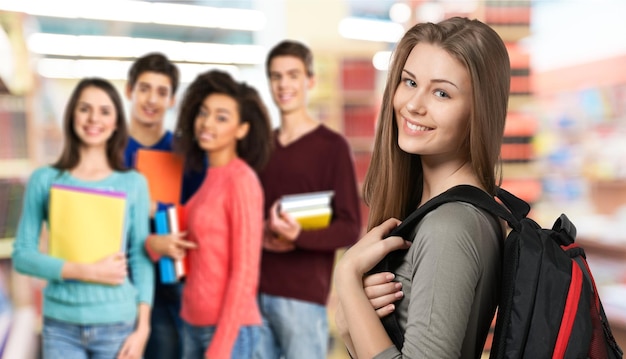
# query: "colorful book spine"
180, 266
167, 272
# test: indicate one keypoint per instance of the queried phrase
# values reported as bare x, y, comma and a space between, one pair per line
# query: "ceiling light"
142, 12
400, 12
381, 60
129, 47
430, 12
115, 69
370, 30
223, 53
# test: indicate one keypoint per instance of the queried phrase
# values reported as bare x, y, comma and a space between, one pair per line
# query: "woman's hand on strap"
372, 248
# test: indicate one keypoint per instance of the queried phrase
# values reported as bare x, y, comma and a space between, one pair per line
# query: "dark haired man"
151, 90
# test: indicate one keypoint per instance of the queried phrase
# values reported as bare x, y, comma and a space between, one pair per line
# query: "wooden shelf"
519, 102
521, 170
6, 247
15, 168
602, 248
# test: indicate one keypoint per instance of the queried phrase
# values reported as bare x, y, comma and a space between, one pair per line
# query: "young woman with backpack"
441, 125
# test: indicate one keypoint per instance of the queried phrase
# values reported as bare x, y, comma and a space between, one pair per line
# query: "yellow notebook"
86, 225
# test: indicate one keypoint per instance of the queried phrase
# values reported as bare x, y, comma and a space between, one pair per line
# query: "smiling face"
218, 127
95, 117
432, 103
289, 83
150, 98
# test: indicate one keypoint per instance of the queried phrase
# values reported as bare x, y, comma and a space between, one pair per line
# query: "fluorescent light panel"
129, 47
142, 12
115, 69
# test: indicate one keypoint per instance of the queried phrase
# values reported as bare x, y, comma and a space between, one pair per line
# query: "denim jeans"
196, 340
74, 341
292, 329
165, 341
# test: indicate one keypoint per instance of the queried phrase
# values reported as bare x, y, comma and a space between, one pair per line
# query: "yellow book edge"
313, 218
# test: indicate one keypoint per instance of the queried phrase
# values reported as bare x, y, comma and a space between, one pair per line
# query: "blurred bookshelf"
19, 308
584, 110
521, 175
19, 313
15, 164
359, 84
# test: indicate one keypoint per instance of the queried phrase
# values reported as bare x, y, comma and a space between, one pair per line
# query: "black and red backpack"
549, 305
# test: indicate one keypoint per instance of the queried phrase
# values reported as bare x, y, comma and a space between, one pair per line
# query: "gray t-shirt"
450, 278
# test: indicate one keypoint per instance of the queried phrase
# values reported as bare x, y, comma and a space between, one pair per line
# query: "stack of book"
312, 210
166, 222
164, 172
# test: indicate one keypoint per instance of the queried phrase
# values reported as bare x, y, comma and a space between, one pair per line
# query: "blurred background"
565, 138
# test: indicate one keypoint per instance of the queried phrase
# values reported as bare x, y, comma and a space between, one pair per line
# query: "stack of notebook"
312, 210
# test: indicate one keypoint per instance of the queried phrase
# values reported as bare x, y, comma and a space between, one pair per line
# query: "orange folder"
164, 172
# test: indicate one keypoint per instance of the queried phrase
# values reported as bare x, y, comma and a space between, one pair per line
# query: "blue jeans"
74, 341
165, 341
196, 340
292, 329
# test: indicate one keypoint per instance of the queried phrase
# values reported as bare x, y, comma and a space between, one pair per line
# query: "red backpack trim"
569, 313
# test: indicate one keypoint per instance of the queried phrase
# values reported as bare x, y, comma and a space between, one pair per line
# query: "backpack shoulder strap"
517, 209
469, 194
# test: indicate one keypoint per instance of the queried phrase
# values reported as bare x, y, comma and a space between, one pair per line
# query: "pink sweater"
225, 219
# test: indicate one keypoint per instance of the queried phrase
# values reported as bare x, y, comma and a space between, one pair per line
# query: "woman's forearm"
344, 333
143, 317
365, 332
77, 271
111, 270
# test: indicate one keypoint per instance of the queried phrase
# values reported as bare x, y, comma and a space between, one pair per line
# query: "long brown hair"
254, 148
116, 144
393, 183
